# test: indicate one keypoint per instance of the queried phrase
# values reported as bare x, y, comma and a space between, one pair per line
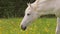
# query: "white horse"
41, 7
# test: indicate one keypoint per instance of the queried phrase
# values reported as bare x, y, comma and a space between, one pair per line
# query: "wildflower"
48, 25
0, 21
46, 30
26, 32
0, 32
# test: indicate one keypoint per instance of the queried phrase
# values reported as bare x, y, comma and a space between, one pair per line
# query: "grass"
40, 26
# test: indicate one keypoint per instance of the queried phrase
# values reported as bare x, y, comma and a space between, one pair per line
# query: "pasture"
40, 26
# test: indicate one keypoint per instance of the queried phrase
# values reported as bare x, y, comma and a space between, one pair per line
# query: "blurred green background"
11, 14
13, 8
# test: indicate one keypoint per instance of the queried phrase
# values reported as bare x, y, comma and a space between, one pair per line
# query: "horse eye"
28, 14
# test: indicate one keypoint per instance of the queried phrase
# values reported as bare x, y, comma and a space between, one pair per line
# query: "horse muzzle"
23, 27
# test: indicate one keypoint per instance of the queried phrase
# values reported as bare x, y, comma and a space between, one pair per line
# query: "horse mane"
37, 2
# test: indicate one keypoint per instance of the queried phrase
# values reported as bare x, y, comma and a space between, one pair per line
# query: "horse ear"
28, 4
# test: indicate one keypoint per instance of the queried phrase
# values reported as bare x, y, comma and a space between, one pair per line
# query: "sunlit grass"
40, 26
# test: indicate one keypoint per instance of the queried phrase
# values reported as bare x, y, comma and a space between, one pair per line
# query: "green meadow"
40, 26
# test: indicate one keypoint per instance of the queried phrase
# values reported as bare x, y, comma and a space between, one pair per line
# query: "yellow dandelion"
0, 21
35, 27
33, 32
15, 29
46, 30
1, 28
0, 32
11, 31
21, 30
48, 25
30, 28
26, 32
6, 32
18, 32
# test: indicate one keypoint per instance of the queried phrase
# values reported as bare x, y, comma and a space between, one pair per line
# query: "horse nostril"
23, 28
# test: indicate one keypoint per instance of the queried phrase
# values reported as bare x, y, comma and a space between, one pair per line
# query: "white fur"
42, 7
